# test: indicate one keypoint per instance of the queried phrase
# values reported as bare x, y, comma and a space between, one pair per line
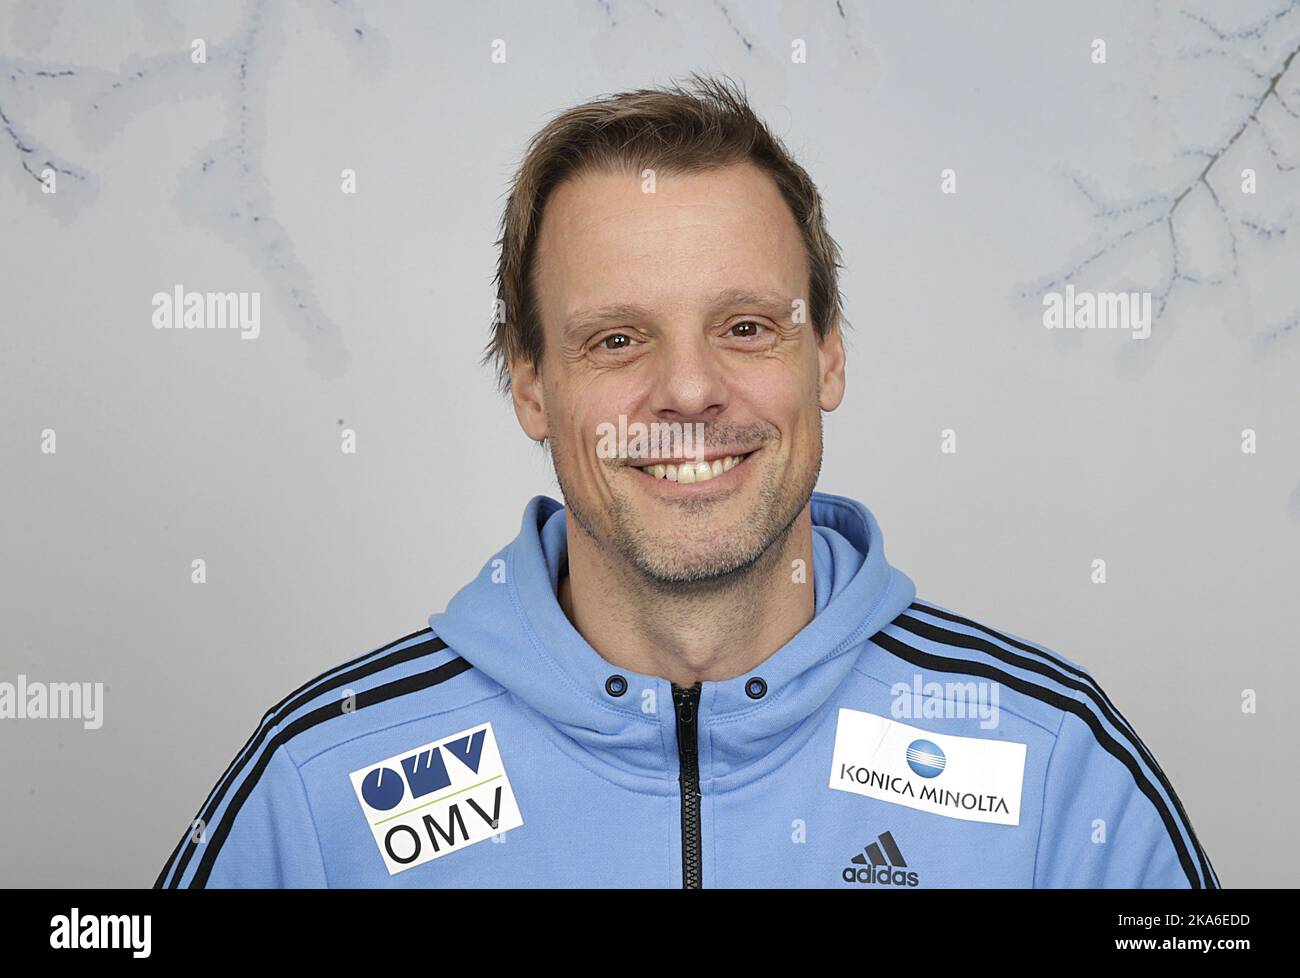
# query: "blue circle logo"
926, 758
383, 793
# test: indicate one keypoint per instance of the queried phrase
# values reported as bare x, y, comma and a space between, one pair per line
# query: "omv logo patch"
437, 798
926, 758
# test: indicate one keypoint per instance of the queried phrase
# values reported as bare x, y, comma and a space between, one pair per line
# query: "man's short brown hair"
705, 125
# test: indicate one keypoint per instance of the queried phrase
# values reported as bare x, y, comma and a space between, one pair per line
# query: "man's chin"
673, 554
706, 572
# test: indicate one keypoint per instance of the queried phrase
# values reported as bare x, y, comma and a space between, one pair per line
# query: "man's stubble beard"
618, 529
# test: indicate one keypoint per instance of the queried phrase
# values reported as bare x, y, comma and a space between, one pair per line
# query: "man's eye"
750, 327
616, 341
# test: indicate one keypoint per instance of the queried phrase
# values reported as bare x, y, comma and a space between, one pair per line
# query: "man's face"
687, 305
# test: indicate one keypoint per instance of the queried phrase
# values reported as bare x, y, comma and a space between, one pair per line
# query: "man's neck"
692, 633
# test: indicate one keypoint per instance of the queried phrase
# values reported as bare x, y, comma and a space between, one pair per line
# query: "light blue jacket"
889, 744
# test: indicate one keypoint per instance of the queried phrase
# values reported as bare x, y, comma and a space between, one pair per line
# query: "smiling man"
680, 305
699, 671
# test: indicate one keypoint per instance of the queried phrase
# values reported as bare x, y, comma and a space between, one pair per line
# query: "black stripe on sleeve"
352, 671
1087, 685
370, 697
938, 663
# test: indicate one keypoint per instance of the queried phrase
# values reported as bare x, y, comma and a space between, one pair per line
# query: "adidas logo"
881, 863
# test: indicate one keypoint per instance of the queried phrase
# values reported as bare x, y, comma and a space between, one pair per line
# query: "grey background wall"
225, 176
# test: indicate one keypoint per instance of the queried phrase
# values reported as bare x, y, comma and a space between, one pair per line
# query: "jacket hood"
509, 625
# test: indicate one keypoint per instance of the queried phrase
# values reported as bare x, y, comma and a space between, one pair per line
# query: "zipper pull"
686, 699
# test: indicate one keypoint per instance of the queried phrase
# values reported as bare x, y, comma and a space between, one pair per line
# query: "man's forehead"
610, 251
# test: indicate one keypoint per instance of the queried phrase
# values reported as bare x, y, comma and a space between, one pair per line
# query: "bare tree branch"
1124, 222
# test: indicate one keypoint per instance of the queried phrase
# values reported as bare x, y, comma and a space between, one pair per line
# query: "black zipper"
687, 702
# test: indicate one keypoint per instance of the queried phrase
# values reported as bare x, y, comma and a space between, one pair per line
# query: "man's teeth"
694, 471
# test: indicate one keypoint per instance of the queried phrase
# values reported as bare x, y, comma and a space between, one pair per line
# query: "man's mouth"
690, 471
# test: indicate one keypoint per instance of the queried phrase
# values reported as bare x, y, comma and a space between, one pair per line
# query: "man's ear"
530, 403
830, 363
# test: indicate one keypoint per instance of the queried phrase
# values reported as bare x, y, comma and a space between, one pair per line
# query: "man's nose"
689, 379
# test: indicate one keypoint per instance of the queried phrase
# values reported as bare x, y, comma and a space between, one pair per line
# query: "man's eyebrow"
772, 301
617, 312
